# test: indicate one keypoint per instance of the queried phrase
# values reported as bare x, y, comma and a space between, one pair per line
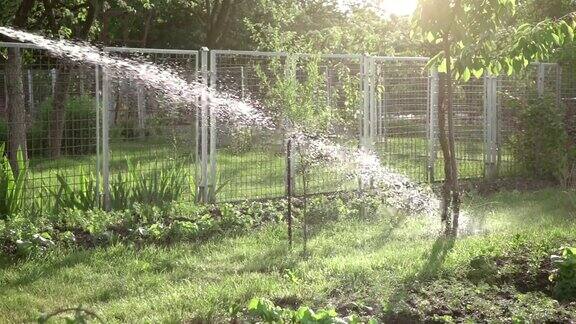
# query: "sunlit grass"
365, 260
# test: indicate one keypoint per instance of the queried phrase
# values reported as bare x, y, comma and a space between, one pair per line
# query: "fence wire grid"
104, 135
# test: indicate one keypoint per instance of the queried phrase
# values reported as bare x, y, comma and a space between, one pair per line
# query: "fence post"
202, 132
5, 82
490, 126
328, 78
31, 93
289, 178
242, 85
82, 75
381, 106
558, 84
365, 89
213, 132
106, 139
540, 79
141, 106
365, 123
98, 107
373, 110
53, 76
433, 88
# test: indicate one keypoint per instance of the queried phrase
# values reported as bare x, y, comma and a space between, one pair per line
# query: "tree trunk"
450, 189
56, 131
16, 108
453, 184
446, 154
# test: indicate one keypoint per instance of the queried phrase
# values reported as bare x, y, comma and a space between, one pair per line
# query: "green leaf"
478, 73
466, 75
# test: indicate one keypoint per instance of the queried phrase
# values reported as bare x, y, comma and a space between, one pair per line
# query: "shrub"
539, 140
564, 276
79, 127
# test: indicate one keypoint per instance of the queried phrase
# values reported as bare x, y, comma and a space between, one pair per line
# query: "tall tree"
15, 87
216, 16
476, 37
72, 19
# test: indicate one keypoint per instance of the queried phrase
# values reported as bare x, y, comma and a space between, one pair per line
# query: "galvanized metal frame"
490, 126
106, 139
206, 124
212, 154
202, 133
433, 89
98, 99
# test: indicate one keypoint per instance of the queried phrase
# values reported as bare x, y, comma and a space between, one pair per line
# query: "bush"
79, 127
539, 141
564, 276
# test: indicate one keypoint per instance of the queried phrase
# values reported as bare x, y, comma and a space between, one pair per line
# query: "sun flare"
398, 7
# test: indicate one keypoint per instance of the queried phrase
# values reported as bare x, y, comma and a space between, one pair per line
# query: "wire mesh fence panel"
48, 111
511, 91
402, 115
330, 100
250, 162
310, 91
151, 139
469, 126
151, 149
568, 99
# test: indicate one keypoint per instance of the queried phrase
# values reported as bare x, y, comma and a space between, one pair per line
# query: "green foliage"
141, 223
539, 138
81, 195
79, 127
163, 184
11, 184
482, 39
295, 90
262, 309
564, 276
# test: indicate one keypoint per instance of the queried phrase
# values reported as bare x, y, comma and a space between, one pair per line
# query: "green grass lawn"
373, 261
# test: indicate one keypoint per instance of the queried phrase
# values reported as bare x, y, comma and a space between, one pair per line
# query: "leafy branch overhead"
484, 37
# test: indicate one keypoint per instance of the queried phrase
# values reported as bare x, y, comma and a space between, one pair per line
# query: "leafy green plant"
69, 195
539, 140
160, 186
120, 191
11, 184
564, 276
157, 187
264, 310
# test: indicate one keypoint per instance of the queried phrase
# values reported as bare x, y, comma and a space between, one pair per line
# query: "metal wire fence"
58, 123
91, 132
151, 140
